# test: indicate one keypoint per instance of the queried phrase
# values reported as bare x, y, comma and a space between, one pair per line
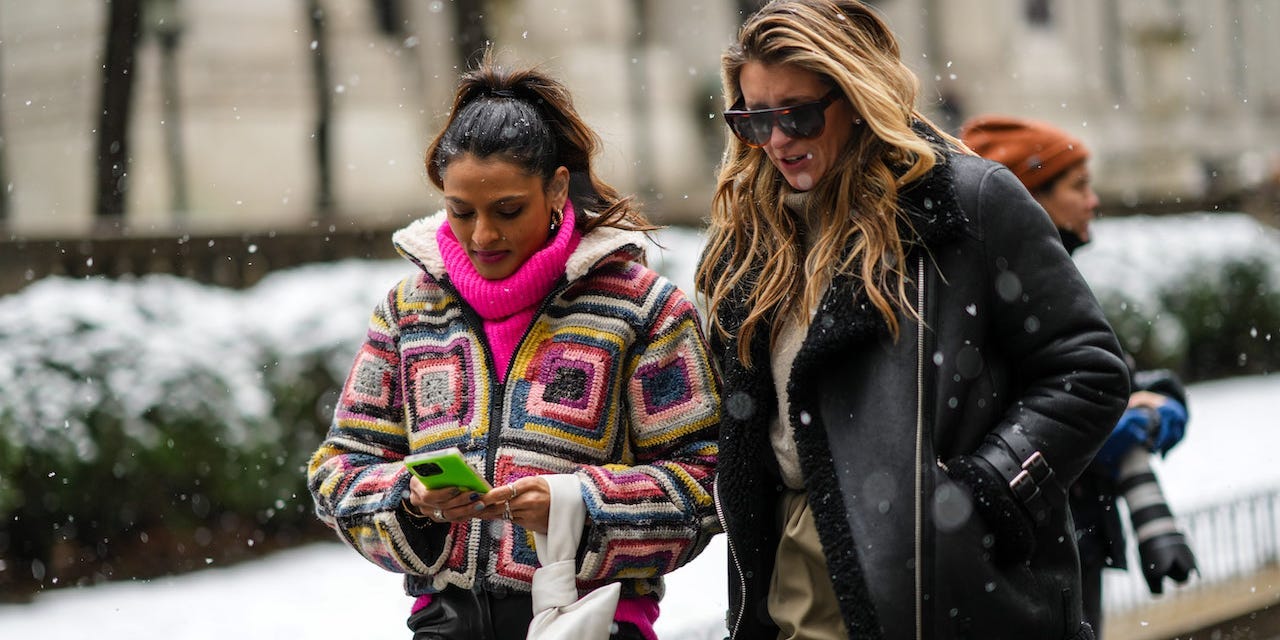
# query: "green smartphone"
445, 468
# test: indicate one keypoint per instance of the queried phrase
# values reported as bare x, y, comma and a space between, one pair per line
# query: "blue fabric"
1128, 433
1173, 425
1158, 430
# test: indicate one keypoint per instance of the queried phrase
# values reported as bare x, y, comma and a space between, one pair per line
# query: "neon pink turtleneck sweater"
507, 306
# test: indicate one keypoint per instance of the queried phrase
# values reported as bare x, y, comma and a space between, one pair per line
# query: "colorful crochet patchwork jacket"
612, 382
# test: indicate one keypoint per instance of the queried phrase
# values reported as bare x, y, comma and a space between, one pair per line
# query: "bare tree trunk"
169, 35
638, 45
389, 16
324, 109
394, 22
4, 169
471, 33
113, 119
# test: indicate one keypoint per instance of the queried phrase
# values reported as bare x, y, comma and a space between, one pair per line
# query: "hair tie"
502, 93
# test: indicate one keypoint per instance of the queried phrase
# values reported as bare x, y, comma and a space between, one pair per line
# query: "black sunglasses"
754, 127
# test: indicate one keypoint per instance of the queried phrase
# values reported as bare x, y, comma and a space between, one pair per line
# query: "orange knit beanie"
1035, 151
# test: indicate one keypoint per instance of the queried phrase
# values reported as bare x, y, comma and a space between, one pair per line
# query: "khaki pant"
801, 599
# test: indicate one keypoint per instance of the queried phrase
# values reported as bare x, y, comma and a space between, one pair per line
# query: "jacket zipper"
495, 409
477, 325
919, 462
491, 451
733, 556
498, 405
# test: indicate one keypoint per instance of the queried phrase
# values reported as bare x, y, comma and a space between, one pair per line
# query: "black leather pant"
455, 614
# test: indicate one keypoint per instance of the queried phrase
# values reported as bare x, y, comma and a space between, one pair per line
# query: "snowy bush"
104, 374
158, 402
1199, 293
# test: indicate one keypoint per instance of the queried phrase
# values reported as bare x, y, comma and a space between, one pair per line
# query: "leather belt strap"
1027, 472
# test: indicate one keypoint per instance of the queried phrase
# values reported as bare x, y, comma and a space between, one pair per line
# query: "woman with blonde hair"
532, 338
913, 369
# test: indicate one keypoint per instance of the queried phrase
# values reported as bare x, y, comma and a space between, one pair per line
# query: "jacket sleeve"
1070, 380
356, 477
654, 515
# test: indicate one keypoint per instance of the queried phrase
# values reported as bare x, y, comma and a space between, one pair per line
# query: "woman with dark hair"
914, 371
532, 338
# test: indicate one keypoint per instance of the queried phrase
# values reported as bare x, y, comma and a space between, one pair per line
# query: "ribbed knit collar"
531, 282
801, 204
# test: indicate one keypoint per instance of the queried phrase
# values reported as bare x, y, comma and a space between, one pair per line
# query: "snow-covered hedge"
160, 402
1199, 293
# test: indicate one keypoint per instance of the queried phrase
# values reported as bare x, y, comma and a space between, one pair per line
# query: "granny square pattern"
436, 378
567, 389
611, 383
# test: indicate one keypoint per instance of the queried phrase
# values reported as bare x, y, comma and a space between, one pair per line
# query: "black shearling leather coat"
1013, 341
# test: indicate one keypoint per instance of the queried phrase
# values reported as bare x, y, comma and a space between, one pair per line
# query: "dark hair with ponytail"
525, 117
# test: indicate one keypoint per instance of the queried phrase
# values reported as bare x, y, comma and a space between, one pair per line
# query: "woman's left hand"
526, 502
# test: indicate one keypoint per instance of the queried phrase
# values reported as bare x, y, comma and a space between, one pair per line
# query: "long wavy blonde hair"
751, 231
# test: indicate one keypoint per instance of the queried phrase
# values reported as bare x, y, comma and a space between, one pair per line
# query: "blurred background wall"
254, 115
1178, 99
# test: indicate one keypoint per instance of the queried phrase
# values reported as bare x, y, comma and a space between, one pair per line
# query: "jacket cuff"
1011, 528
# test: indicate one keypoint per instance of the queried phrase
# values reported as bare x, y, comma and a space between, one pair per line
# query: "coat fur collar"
932, 219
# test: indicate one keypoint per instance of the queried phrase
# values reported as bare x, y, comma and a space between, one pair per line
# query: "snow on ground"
318, 591
310, 592
1229, 450
1142, 255
326, 590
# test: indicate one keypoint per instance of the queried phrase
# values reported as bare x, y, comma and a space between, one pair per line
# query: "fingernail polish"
479, 507
475, 496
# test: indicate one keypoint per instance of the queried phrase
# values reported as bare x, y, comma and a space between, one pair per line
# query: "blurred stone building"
1179, 98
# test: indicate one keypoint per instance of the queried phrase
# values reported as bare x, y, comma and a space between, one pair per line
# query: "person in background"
532, 337
1054, 166
914, 370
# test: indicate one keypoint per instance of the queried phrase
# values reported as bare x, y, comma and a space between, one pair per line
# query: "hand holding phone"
446, 468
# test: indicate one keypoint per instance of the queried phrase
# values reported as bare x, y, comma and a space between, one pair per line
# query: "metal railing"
1231, 541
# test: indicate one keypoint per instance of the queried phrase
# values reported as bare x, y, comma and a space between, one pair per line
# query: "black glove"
1010, 524
1166, 554
1162, 549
